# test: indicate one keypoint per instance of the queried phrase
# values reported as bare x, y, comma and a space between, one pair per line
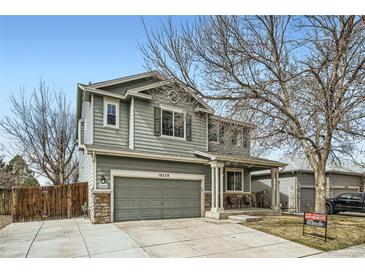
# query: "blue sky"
66, 50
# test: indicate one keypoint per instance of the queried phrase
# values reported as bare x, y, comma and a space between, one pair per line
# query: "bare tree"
299, 79
43, 130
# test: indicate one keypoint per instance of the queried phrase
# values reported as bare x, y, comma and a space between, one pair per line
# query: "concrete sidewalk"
198, 237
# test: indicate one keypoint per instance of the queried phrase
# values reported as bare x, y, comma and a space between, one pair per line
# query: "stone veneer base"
100, 212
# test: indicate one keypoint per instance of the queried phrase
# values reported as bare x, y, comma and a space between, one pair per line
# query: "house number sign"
163, 175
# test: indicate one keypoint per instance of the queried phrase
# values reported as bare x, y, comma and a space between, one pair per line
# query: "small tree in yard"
22, 175
43, 129
299, 79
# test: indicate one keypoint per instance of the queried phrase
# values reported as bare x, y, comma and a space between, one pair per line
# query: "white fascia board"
105, 93
150, 86
126, 79
142, 155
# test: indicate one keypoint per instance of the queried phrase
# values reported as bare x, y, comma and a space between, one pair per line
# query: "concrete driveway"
197, 237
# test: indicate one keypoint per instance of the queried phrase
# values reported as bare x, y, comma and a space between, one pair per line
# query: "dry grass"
343, 231
4, 220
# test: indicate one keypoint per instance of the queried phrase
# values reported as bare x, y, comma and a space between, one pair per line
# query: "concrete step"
244, 218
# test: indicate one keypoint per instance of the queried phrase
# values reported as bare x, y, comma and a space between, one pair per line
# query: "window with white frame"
172, 123
234, 180
111, 113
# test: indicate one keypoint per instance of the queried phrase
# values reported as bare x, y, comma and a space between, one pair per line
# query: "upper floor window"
213, 132
173, 123
111, 113
220, 132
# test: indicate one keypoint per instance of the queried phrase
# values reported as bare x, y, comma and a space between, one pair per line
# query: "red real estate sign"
315, 219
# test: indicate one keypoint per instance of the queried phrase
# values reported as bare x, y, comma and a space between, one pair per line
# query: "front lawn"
343, 231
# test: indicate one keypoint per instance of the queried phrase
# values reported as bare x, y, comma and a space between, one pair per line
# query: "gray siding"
106, 163
122, 88
339, 180
307, 199
110, 136
305, 179
145, 140
247, 180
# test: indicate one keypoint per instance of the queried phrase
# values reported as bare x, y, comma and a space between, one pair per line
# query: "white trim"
264, 163
242, 176
173, 110
156, 175
135, 154
206, 133
334, 187
94, 171
126, 79
346, 187
111, 101
150, 86
79, 132
139, 95
131, 124
92, 119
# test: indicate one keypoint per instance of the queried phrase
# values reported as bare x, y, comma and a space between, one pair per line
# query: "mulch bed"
5, 220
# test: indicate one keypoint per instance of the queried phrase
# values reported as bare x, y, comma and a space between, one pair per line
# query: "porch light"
102, 184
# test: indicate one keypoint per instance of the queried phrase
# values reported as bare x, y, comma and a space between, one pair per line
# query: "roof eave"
260, 163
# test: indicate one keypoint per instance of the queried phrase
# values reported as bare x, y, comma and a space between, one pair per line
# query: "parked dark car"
350, 202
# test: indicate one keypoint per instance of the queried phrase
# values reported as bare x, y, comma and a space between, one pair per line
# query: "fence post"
69, 201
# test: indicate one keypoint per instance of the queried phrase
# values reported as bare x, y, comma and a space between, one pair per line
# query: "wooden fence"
5, 201
48, 202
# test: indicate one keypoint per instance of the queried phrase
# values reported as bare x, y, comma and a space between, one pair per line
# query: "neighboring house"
297, 192
152, 149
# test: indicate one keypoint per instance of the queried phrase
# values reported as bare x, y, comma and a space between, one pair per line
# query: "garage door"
338, 191
306, 199
143, 199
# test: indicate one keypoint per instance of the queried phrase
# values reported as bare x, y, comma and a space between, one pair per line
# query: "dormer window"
111, 113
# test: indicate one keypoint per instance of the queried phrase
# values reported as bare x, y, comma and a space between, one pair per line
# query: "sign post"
317, 220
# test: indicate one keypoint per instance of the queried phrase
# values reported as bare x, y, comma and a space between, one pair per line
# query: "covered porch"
230, 186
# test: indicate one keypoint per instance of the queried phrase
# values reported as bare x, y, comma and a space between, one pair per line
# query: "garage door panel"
307, 199
150, 214
136, 198
191, 203
188, 212
172, 213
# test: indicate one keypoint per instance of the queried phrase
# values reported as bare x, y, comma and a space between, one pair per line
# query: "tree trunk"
320, 197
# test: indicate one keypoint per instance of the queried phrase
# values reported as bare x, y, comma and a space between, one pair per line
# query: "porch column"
217, 186
221, 182
275, 190
213, 189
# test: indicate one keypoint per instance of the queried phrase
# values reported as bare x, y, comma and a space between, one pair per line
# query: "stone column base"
100, 212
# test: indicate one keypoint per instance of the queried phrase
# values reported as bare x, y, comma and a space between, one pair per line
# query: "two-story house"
150, 148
